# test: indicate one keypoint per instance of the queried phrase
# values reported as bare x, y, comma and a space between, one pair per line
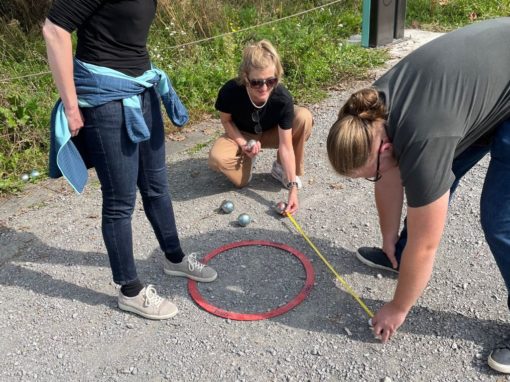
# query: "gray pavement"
59, 320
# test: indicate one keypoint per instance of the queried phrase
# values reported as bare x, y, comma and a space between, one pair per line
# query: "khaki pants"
227, 157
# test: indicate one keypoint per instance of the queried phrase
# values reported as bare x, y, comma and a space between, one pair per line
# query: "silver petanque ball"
280, 207
244, 220
227, 206
34, 174
25, 177
251, 143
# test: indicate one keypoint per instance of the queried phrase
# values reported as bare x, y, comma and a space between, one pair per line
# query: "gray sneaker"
148, 304
191, 268
277, 173
499, 359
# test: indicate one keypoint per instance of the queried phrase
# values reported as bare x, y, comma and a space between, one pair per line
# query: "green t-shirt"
441, 99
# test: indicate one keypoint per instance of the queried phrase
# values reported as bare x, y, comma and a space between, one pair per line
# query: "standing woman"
256, 106
122, 131
423, 125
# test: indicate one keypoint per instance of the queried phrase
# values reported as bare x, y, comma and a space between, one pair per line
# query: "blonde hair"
259, 55
350, 138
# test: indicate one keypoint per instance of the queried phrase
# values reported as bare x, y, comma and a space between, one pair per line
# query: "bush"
29, 13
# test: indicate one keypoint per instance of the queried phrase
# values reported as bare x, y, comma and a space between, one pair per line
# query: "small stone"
379, 276
75, 315
349, 333
60, 356
25, 177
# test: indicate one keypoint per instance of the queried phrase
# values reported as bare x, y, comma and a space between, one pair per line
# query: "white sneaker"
148, 304
277, 173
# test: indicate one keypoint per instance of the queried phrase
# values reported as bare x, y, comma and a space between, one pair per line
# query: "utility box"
383, 20
400, 19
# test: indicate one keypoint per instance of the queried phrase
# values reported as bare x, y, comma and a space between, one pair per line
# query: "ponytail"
350, 138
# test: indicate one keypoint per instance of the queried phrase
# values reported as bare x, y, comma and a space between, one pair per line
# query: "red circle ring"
310, 278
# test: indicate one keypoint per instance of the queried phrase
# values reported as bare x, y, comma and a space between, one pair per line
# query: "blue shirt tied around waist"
95, 86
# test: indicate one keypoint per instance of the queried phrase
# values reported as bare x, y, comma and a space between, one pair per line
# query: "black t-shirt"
111, 33
279, 110
444, 97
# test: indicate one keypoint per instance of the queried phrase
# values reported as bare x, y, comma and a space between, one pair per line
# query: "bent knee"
303, 118
214, 161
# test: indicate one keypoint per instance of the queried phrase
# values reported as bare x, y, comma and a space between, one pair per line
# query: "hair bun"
365, 104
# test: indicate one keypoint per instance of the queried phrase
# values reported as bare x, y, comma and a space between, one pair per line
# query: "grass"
313, 49
445, 15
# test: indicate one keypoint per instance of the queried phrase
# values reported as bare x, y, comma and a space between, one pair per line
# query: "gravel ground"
59, 320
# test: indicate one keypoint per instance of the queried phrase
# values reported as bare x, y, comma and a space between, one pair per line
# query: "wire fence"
179, 46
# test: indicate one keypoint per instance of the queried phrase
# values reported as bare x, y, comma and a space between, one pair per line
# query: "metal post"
382, 21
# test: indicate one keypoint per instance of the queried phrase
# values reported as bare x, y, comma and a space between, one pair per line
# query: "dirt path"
59, 320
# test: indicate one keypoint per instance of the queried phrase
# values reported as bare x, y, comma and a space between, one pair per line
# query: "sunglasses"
258, 84
255, 117
377, 173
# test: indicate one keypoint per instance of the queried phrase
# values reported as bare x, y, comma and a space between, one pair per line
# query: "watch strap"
292, 184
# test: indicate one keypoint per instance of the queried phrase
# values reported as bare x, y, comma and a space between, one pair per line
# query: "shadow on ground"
192, 179
327, 309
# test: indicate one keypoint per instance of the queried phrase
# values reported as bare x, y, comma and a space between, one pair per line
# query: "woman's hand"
389, 251
251, 150
387, 320
75, 121
292, 202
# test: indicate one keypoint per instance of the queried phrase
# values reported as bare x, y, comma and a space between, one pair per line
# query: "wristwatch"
292, 184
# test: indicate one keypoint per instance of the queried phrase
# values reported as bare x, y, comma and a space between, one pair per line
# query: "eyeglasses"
377, 173
258, 84
255, 117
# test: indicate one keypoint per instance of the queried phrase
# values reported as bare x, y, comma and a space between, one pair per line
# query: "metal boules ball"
34, 174
280, 207
244, 220
227, 206
251, 143
25, 177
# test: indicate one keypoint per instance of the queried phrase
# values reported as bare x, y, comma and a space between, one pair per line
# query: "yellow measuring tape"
344, 283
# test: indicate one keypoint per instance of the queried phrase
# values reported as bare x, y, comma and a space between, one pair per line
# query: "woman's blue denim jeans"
121, 166
495, 198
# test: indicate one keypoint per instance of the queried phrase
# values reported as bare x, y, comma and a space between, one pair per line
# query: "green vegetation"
312, 45
444, 15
